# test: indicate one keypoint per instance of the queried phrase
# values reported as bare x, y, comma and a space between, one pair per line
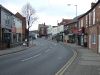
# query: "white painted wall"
57, 29
60, 28
49, 29
54, 30
18, 25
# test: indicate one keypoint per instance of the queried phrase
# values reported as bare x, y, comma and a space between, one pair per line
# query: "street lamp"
76, 40
75, 6
76, 9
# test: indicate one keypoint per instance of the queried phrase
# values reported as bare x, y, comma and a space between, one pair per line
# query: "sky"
50, 11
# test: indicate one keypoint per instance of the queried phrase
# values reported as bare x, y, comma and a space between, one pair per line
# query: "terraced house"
89, 27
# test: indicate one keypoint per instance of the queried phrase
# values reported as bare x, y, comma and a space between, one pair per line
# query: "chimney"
44, 24
92, 4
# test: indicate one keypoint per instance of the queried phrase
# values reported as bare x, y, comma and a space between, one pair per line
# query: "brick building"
89, 27
42, 28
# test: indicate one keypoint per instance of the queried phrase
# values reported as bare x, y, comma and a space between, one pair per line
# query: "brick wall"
93, 30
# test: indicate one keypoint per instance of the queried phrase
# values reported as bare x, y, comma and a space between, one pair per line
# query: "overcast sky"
50, 11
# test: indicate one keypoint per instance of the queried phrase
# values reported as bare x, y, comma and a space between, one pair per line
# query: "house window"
93, 39
94, 16
7, 20
86, 20
82, 23
89, 19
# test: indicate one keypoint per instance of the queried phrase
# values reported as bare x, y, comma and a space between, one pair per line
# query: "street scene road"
46, 58
49, 37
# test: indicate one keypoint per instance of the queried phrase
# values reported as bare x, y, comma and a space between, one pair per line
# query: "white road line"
65, 67
31, 57
27, 59
47, 50
37, 55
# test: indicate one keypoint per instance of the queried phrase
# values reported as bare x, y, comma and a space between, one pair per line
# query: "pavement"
86, 63
15, 49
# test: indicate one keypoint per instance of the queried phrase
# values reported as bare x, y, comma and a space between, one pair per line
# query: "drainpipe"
98, 38
0, 30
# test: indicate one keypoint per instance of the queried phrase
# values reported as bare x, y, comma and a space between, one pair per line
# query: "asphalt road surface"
46, 58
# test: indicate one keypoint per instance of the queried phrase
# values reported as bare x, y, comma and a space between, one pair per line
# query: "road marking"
37, 55
47, 50
31, 57
27, 59
63, 69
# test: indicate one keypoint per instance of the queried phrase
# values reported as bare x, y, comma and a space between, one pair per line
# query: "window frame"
93, 38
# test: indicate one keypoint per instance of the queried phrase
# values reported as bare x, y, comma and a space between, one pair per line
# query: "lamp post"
76, 9
75, 6
75, 40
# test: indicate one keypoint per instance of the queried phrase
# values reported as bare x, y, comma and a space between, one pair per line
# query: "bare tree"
29, 12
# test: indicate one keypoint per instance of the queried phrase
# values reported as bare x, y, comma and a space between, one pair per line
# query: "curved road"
46, 58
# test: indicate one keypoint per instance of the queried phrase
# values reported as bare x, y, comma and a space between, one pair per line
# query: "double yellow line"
65, 67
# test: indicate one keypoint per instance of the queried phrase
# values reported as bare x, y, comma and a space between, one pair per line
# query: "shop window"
6, 37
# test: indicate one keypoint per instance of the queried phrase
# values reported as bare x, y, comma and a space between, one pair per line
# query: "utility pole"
76, 40
76, 8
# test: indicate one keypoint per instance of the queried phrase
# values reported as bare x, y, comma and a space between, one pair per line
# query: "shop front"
6, 38
71, 37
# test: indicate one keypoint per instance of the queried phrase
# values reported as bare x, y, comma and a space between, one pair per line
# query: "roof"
18, 15
95, 4
74, 20
6, 9
65, 21
54, 26
42, 25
